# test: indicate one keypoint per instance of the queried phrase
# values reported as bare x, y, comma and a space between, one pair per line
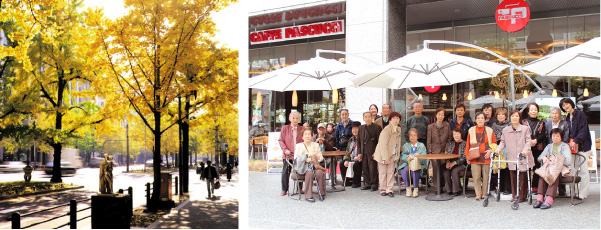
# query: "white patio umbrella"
530, 97
426, 68
486, 99
593, 100
314, 74
581, 60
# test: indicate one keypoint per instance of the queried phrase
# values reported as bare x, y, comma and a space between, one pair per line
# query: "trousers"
211, 186
321, 182
370, 171
386, 176
480, 175
522, 181
451, 178
414, 177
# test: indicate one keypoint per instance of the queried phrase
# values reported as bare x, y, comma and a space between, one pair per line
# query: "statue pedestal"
111, 211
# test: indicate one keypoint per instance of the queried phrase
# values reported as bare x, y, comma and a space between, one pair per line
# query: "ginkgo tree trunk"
148, 53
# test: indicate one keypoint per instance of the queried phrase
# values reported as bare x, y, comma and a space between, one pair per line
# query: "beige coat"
438, 138
515, 142
389, 137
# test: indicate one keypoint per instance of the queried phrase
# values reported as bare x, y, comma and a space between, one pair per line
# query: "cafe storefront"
370, 29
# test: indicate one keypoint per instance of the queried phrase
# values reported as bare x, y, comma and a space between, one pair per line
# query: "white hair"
292, 113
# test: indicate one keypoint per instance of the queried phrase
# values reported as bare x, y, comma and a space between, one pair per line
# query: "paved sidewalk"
200, 212
359, 209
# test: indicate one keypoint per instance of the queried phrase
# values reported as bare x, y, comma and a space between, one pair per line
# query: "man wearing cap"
355, 157
290, 135
325, 140
383, 120
369, 134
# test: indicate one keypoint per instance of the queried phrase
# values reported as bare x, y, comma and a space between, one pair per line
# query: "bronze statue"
106, 175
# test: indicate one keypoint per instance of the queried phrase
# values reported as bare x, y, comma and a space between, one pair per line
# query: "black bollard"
147, 194
16, 220
176, 185
73, 214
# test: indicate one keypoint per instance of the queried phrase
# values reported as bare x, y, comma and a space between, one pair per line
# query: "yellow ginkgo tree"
58, 70
161, 51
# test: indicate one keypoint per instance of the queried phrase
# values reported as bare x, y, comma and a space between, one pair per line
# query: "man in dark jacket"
580, 137
343, 130
210, 173
369, 134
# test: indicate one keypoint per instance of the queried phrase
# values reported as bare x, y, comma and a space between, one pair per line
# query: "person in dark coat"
228, 171
210, 174
369, 134
580, 138
538, 137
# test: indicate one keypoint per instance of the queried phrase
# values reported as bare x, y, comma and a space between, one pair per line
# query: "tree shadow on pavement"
204, 214
39, 202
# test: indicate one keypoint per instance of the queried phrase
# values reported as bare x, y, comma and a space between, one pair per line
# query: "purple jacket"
286, 141
579, 131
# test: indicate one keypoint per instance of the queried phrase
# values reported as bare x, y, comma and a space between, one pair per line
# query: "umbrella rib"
445, 76
472, 67
406, 76
263, 80
564, 63
291, 82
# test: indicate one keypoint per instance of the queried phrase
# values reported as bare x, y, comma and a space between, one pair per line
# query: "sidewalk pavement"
202, 212
355, 208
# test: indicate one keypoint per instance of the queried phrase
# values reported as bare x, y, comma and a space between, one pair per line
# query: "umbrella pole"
512, 88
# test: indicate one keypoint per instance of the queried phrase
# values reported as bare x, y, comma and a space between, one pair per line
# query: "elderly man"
383, 120
369, 134
343, 130
325, 140
419, 122
290, 135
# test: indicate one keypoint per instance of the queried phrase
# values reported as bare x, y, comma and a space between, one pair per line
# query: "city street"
221, 212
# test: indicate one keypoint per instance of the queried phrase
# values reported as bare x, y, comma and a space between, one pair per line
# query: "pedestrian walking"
211, 175
228, 171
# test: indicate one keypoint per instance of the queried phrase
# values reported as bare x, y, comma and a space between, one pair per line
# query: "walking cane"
315, 179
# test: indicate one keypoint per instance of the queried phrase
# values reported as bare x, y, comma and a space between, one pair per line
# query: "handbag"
299, 166
217, 185
414, 164
500, 165
473, 153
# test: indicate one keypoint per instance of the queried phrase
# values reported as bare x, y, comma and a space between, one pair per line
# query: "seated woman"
410, 151
314, 156
452, 167
557, 147
355, 157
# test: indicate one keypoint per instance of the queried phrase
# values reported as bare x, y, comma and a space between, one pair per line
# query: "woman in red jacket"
480, 137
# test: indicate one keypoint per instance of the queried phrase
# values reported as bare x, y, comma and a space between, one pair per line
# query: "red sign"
512, 15
432, 89
297, 32
298, 14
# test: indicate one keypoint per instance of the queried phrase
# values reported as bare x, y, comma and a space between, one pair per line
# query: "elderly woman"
556, 147
439, 135
557, 122
516, 140
538, 135
460, 121
411, 150
480, 137
311, 149
498, 127
355, 156
373, 109
387, 153
452, 167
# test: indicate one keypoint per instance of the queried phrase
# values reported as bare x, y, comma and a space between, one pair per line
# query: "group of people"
378, 155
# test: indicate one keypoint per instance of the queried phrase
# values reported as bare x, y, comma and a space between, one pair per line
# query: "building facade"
384, 30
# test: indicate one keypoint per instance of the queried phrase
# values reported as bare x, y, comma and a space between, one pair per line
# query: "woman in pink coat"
516, 139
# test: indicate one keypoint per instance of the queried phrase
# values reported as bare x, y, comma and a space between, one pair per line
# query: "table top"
335, 153
438, 156
256, 138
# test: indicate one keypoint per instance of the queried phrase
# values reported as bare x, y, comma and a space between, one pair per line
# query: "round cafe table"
435, 158
332, 155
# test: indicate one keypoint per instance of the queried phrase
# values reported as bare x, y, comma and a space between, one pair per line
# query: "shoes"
478, 197
384, 194
302, 192
537, 204
450, 193
545, 206
455, 194
415, 192
214, 196
355, 186
506, 192
310, 200
408, 194
283, 193
373, 189
365, 188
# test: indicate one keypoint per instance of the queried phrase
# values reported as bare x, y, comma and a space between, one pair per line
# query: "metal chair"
297, 181
466, 173
573, 181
